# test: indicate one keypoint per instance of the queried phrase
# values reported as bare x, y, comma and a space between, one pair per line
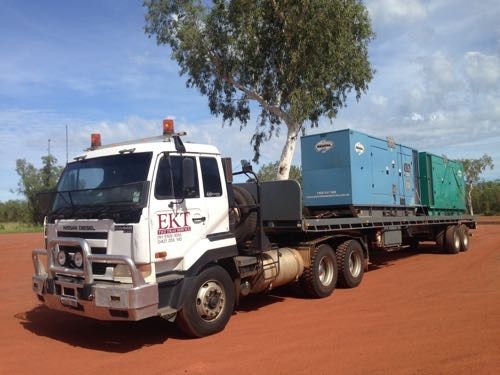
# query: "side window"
211, 177
168, 183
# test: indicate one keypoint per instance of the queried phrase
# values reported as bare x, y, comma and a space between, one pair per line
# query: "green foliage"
486, 198
473, 168
14, 211
33, 181
268, 172
16, 227
298, 59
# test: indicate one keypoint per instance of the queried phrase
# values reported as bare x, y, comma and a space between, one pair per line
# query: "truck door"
178, 218
214, 199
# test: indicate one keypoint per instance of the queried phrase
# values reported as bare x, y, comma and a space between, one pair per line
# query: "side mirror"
188, 171
246, 166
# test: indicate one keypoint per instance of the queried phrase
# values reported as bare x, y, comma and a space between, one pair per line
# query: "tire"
464, 235
209, 303
245, 219
452, 240
319, 280
440, 239
350, 260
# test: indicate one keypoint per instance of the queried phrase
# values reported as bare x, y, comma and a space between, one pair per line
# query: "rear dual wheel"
464, 235
319, 280
350, 260
453, 239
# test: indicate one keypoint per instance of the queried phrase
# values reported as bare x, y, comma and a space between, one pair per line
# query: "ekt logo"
173, 223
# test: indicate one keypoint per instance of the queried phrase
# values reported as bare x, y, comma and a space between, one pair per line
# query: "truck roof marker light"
168, 126
95, 140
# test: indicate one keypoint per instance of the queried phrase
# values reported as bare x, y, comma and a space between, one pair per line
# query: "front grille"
86, 235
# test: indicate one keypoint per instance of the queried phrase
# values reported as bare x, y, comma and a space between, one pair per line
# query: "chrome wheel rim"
466, 239
355, 264
457, 241
326, 271
210, 300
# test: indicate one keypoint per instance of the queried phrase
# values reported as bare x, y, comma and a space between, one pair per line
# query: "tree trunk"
287, 153
469, 199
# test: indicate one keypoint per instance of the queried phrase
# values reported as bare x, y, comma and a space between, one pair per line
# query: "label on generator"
324, 145
359, 148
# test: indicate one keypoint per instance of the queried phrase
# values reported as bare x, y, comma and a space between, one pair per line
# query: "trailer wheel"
452, 239
209, 303
464, 235
245, 219
350, 260
320, 278
440, 239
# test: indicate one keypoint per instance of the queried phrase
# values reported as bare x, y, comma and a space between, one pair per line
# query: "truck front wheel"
209, 303
320, 278
351, 263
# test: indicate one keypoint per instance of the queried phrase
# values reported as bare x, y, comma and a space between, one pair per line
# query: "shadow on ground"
381, 259
116, 336
122, 337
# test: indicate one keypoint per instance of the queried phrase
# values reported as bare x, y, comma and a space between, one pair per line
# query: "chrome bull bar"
88, 259
106, 300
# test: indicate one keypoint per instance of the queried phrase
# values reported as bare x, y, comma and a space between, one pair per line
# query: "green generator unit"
442, 185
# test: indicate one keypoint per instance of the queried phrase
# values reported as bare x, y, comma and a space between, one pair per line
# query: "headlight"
78, 259
121, 270
61, 257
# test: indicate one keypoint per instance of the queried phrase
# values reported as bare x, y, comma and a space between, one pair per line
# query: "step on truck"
157, 227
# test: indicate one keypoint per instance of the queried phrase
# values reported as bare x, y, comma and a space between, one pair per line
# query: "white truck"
155, 227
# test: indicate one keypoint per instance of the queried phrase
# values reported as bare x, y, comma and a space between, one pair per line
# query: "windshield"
101, 185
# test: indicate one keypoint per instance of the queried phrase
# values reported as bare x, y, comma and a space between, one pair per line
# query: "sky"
87, 66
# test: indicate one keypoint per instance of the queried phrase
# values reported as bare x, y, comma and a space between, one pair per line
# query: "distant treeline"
486, 198
15, 211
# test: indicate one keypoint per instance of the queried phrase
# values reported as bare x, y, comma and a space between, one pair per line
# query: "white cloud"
379, 100
416, 117
482, 71
396, 11
439, 71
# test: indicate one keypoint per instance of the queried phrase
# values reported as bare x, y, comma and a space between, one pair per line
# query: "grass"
19, 228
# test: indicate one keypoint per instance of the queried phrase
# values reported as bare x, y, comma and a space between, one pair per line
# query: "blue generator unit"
356, 174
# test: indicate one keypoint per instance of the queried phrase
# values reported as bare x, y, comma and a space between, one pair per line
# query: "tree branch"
252, 94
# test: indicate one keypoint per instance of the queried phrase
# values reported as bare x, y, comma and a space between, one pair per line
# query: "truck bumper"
75, 291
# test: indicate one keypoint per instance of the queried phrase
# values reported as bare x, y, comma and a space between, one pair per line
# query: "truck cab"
128, 222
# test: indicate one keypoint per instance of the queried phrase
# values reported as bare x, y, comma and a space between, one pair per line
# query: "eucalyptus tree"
297, 59
473, 168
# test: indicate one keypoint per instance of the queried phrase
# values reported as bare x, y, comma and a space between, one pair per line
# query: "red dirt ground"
414, 313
